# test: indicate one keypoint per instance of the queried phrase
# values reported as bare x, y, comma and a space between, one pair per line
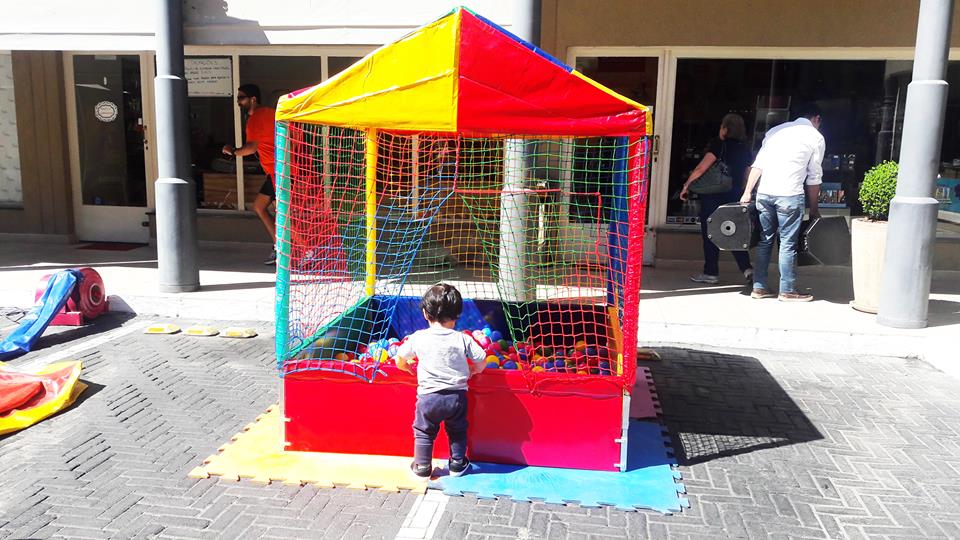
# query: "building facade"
77, 111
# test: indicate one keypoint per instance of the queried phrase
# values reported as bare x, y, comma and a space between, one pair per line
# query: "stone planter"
868, 245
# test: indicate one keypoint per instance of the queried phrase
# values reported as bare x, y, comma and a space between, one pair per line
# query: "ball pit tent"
461, 118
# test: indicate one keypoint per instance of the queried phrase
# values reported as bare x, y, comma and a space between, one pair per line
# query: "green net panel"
535, 233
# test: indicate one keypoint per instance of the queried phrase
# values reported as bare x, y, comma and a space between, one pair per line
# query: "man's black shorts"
268, 189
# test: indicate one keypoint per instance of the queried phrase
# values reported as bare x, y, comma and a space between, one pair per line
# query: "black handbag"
714, 180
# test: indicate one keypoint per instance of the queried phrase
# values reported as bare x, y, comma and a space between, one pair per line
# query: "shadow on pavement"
719, 405
59, 335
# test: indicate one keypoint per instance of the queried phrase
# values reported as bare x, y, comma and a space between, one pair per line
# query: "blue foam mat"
650, 480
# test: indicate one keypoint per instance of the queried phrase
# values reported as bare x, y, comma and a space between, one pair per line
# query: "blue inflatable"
59, 287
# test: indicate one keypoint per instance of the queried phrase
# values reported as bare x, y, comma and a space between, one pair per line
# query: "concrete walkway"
673, 310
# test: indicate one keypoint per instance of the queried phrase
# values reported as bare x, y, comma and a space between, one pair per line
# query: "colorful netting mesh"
542, 236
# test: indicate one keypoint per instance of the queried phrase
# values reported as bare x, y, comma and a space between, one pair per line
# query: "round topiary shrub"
878, 188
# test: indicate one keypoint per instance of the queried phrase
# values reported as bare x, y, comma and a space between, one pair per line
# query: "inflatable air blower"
87, 301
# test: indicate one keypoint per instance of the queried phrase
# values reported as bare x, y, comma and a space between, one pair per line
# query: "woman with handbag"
719, 179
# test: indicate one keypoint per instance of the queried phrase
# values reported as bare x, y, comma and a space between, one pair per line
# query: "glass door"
638, 78
110, 145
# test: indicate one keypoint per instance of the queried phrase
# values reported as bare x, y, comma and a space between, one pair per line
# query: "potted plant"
868, 236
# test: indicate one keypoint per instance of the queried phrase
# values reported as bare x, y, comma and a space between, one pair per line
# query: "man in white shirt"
788, 167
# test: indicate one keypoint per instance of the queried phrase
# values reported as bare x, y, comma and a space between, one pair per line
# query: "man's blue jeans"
783, 214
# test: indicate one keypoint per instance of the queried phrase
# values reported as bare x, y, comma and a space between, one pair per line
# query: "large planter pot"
868, 245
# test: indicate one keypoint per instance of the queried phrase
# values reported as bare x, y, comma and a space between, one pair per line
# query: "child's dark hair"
442, 303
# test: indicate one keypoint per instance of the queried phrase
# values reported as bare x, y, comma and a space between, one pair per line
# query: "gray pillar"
513, 282
176, 202
908, 265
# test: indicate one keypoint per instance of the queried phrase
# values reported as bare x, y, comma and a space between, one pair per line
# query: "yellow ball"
580, 345
537, 368
341, 357
492, 358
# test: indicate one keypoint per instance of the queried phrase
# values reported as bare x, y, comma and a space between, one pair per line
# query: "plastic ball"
591, 351
392, 349
362, 349
546, 351
520, 345
341, 357
581, 372
504, 344
511, 349
571, 363
537, 368
580, 345
393, 340
560, 352
484, 340
493, 365
571, 352
486, 331
495, 335
351, 356
604, 364
496, 347
514, 357
493, 359
594, 371
510, 365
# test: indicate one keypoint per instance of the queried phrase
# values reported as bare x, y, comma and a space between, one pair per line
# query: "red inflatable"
87, 301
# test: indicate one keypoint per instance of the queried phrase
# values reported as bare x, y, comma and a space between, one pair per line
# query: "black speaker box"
824, 240
734, 227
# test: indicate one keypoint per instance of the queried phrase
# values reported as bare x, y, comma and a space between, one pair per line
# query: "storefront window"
10, 187
212, 108
862, 103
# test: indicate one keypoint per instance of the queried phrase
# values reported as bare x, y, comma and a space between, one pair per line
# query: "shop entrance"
635, 77
109, 142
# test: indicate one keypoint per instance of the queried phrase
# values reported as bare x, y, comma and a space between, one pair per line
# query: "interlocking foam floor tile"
257, 454
644, 402
649, 482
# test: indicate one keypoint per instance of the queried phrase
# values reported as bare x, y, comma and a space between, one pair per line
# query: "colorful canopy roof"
463, 73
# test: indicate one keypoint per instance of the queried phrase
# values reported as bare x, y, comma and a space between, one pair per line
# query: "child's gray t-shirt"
442, 356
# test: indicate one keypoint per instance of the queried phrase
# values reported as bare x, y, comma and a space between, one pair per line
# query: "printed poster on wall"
208, 77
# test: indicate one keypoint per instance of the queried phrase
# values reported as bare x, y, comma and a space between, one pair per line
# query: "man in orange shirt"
260, 139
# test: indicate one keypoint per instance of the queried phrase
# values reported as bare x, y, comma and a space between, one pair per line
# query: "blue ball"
559, 352
510, 365
493, 365
548, 364
495, 335
604, 364
591, 351
487, 331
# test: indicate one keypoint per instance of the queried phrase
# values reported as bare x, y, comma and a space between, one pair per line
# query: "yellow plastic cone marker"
238, 332
162, 328
201, 330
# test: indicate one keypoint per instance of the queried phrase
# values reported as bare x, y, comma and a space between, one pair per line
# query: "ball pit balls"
510, 365
493, 365
514, 357
604, 364
341, 357
548, 364
495, 336
496, 347
546, 351
487, 332
493, 359
580, 345
537, 368
591, 351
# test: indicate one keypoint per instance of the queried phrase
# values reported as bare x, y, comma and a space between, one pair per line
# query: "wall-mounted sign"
208, 77
106, 111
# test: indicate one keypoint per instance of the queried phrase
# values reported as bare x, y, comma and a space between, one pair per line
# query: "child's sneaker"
421, 471
458, 468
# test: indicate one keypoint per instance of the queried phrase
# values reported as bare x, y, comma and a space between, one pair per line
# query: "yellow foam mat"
257, 454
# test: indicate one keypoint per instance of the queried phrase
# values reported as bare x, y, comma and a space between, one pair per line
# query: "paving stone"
770, 445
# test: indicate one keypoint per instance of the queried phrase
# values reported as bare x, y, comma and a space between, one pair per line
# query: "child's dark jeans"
448, 407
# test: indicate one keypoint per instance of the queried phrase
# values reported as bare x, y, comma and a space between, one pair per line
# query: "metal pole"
177, 249
513, 281
908, 264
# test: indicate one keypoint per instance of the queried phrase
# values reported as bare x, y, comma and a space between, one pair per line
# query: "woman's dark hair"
736, 129
442, 303
250, 90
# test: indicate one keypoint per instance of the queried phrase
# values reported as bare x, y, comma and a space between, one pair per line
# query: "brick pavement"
771, 446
